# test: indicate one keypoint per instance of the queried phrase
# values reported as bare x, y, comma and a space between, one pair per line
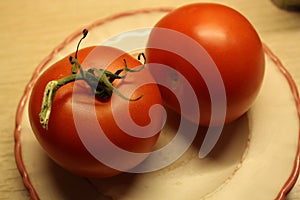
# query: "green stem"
99, 80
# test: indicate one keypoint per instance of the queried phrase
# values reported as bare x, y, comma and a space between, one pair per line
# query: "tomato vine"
99, 80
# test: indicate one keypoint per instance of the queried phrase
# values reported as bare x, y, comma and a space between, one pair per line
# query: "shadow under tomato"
227, 153
233, 141
122, 183
67, 186
225, 157
231, 145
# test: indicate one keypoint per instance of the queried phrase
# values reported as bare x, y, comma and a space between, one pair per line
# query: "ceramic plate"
255, 157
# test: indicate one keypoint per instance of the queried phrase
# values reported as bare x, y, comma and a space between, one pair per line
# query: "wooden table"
31, 29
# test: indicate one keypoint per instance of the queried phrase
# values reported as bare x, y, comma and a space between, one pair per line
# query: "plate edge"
291, 181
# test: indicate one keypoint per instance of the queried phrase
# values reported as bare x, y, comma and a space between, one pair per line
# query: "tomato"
231, 42
62, 139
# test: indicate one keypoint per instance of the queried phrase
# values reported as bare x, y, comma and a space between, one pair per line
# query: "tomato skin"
232, 43
61, 140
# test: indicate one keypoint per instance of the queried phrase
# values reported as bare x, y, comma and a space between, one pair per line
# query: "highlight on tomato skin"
232, 43
62, 141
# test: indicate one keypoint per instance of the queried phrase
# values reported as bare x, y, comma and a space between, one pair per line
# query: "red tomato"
233, 45
61, 139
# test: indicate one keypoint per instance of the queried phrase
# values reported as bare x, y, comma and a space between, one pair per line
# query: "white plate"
255, 158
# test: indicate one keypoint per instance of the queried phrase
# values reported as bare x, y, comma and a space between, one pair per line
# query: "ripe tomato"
61, 140
230, 41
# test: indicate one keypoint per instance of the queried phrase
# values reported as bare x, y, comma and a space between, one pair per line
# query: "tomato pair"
109, 86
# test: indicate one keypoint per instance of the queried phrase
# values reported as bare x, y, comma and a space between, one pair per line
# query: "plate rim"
291, 181
287, 186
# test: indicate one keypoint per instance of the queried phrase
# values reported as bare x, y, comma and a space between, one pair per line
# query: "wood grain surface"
30, 29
